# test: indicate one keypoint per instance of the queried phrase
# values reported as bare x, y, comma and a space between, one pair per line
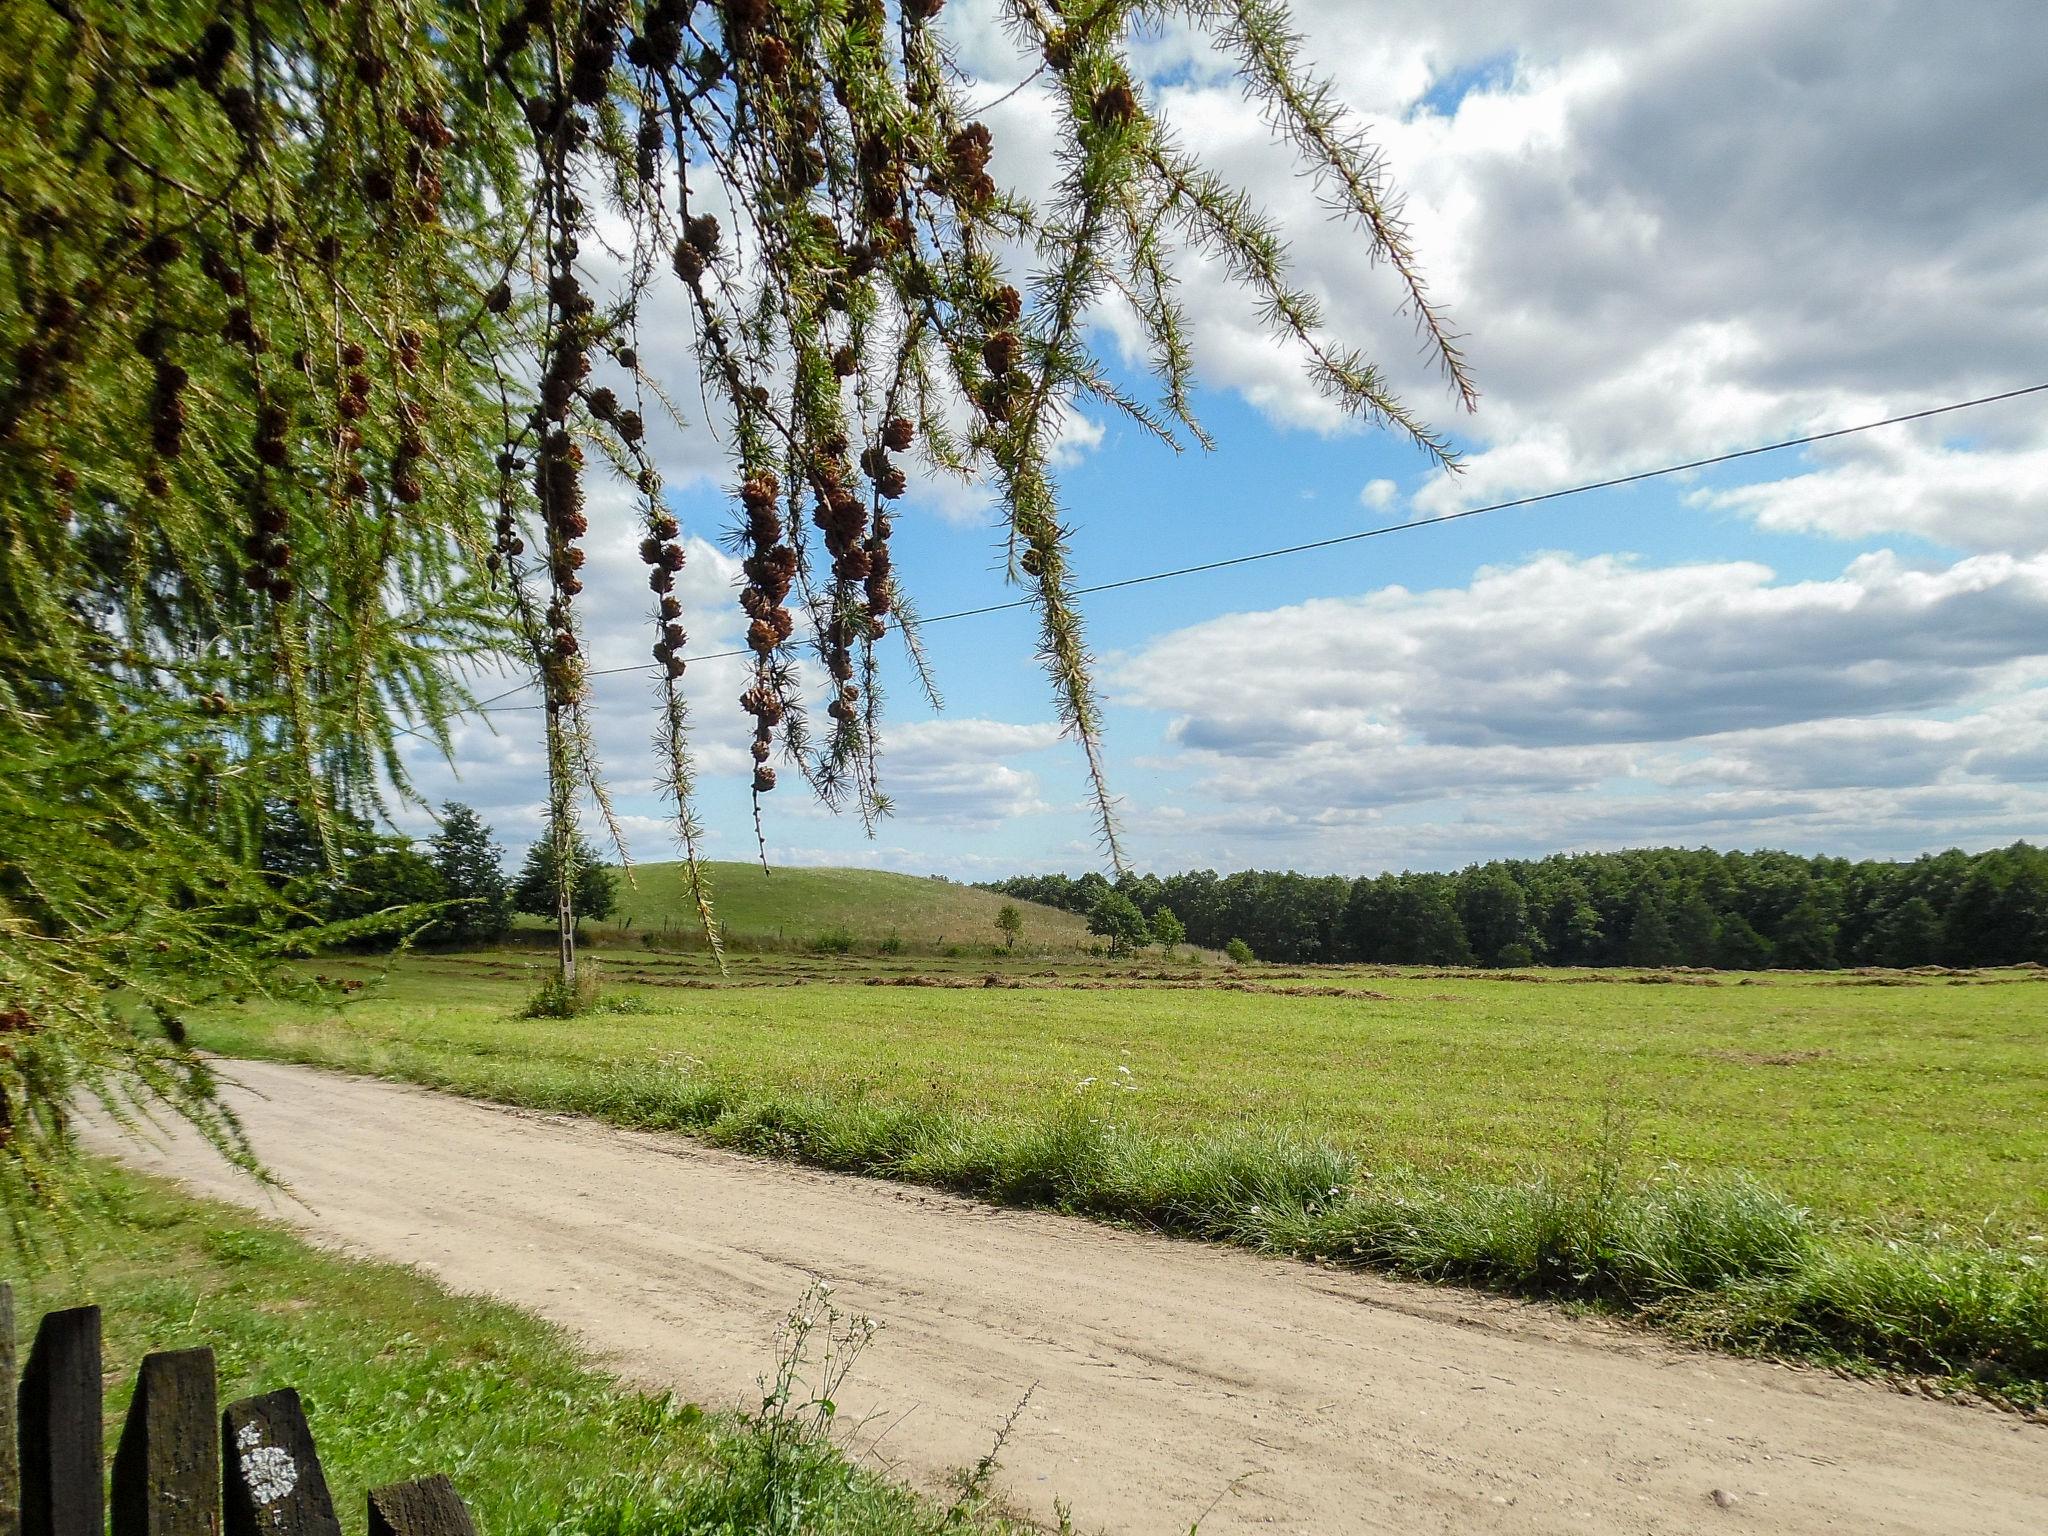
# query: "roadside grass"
1388, 1151
402, 1379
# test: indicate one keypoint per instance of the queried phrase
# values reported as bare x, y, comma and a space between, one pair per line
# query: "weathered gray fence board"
274, 1486
10, 1455
167, 1475
183, 1467
62, 1436
429, 1507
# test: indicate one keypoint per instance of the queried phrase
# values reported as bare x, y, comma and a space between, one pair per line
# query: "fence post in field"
429, 1507
10, 1455
274, 1486
61, 1434
167, 1476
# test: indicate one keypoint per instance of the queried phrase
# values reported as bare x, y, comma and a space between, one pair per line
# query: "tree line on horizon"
1641, 907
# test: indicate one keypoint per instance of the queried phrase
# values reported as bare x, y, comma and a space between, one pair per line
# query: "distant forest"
1650, 907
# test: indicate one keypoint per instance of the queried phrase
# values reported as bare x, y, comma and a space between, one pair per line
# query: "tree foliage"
1167, 930
1654, 906
395, 878
594, 886
472, 870
1009, 923
1116, 918
322, 314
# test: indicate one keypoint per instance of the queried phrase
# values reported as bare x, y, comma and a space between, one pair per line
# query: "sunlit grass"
1909, 1108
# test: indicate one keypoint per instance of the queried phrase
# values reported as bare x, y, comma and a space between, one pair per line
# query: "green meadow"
1911, 1107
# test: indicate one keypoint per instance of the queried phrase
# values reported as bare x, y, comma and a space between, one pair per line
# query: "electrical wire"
484, 707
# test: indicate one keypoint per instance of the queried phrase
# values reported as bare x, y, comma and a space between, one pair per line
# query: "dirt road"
1167, 1373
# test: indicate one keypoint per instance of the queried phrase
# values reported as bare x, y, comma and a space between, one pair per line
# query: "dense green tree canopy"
1653, 906
1116, 918
595, 886
1168, 932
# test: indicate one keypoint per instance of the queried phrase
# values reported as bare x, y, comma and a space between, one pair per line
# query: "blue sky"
1665, 236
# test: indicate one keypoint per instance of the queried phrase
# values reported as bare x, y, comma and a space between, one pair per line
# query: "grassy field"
795, 907
401, 1379
1905, 1107
1819, 1165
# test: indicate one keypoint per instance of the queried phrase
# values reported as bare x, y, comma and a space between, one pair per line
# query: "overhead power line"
484, 706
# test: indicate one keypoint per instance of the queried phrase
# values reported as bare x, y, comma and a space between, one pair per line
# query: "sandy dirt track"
1313, 1400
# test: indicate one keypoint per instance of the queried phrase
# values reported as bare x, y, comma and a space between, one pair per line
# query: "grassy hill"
794, 907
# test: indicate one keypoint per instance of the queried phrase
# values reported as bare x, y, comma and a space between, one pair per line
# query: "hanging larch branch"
320, 318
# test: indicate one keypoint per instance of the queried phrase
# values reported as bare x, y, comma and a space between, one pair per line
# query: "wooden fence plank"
274, 1483
62, 1436
429, 1507
10, 1453
167, 1474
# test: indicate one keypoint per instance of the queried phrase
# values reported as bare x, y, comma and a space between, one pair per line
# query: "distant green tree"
1423, 926
1495, 914
1116, 917
289, 847
1738, 946
1239, 952
1571, 926
1649, 928
1909, 934
472, 869
1010, 923
1692, 927
2000, 913
596, 892
1083, 893
290, 852
1167, 930
1654, 906
1805, 940
394, 877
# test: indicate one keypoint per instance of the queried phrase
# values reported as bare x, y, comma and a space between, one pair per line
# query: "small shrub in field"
1009, 923
555, 999
891, 945
558, 998
1240, 953
833, 941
